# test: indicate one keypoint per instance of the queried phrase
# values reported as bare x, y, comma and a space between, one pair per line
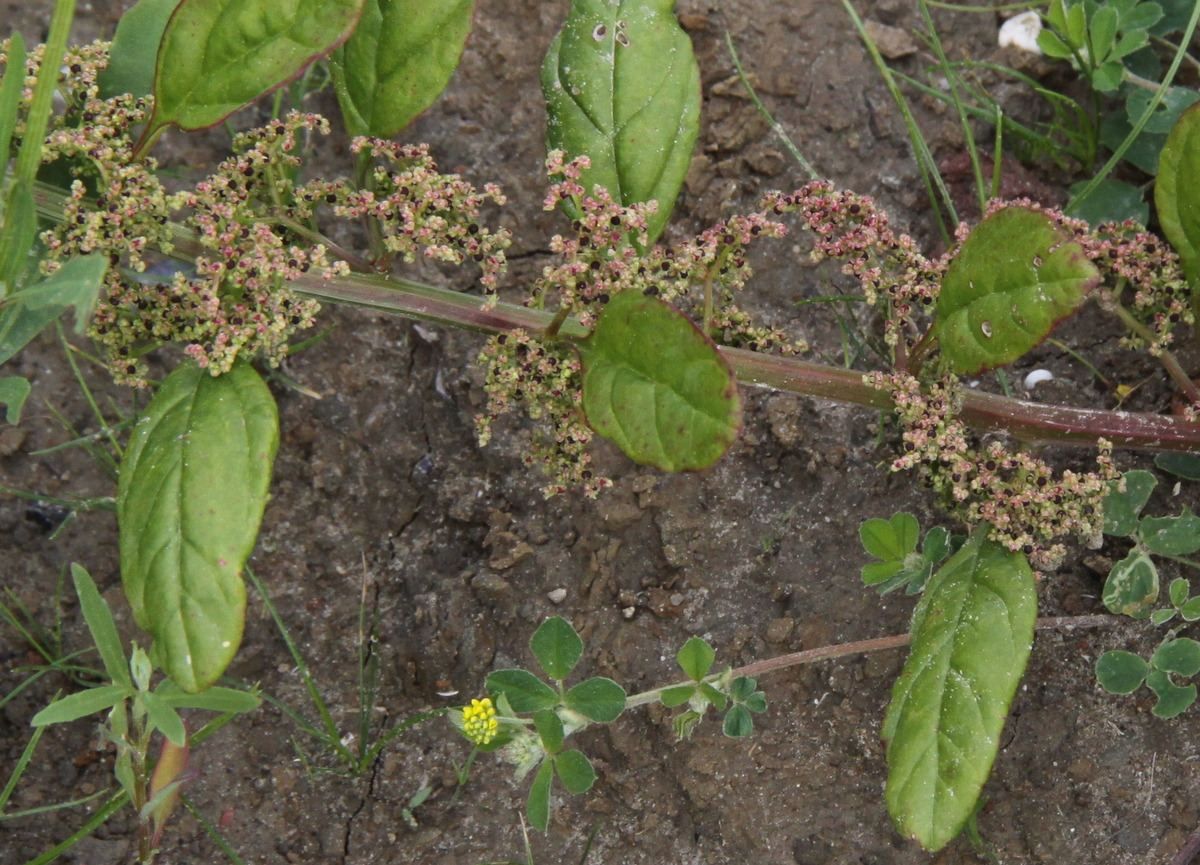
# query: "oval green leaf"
971, 635
1171, 536
1175, 196
1180, 656
890, 540
657, 386
101, 626
1178, 591
525, 692
192, 490
134, 51
1172, 699
1016, 276
537, 807
550, 729
622, 87
1186, 466
81, 704
218, 55
1132, 586
696, 658
557, 647
398, 62
738, 723
597, 699
14, 390
1120, 672
576, 771
1121, 509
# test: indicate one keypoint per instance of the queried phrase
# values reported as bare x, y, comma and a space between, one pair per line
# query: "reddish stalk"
1028, 421
824, 653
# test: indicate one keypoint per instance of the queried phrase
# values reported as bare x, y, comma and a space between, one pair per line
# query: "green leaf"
19, 325
657, 386
1108, 77
890, 540
557, 647
165, 718
192, 490
684, 723
1174, 194
1014, 278
134, 51
76, 284
1180, 656
1172, 699
398, 62
622, 87
936, 546
550, 729
102, 627
81, 704
696, 658
14, 390
971, 635
10, 93
215, 699
1103, 31
1121, 672
218, 55
537, 807
1191, 609
677, 696
576, 771
1161, 617
717, 698
1186, 466
742, 688
1121, 509
525, 691
1171, 536
1053, 46
1132, 586
1175, 16
1141, 16
1111, 201
1169, 110
1077, 25
18, 235
1144, 152
738, 723
597, 699
757, 702
875, 573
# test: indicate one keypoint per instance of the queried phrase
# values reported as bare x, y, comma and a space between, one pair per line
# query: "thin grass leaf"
30, 812
19, 769
102, 627
10, 93
29, 158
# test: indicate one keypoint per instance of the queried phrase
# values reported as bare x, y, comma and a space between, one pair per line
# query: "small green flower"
479, 721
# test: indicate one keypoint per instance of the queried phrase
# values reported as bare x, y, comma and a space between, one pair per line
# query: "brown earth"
380, 482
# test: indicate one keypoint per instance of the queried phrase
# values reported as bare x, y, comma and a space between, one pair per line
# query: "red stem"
1037, 423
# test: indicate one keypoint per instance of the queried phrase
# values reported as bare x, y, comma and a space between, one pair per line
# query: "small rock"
557, 596
493, 590
893, 42
11, 440
783, 412
662, 603
693, 23
1100, 564
284, 779
780, 629
766, 162
629, 612
507, 550
700, 174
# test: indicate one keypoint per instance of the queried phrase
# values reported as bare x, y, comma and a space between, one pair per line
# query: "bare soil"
380, 483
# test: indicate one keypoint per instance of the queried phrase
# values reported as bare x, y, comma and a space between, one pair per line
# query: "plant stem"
1170, 364
1028, 421
826, 652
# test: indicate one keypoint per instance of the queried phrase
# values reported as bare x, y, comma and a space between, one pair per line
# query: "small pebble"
557, 596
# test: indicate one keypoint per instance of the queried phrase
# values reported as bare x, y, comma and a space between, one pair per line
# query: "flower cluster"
479, 721
418, 208
543, 378
851, 227
1018, 494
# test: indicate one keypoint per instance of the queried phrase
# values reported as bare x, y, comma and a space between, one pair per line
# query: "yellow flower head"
479, 721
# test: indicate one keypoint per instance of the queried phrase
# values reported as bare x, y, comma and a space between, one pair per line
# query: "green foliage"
1131, 587
218, 55
557, 647
895, 541
1175, 196
14, 390
398, 61
1014, 278
1184, 465
622, 87
1111, 201
1121, 508
657, 386
1120, 672
1086, 33
556, 716
101, 625
696, 658
971, 635
738, 694
134, 52
193, 486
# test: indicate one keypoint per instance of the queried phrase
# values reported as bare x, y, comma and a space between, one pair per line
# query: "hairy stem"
842, 649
